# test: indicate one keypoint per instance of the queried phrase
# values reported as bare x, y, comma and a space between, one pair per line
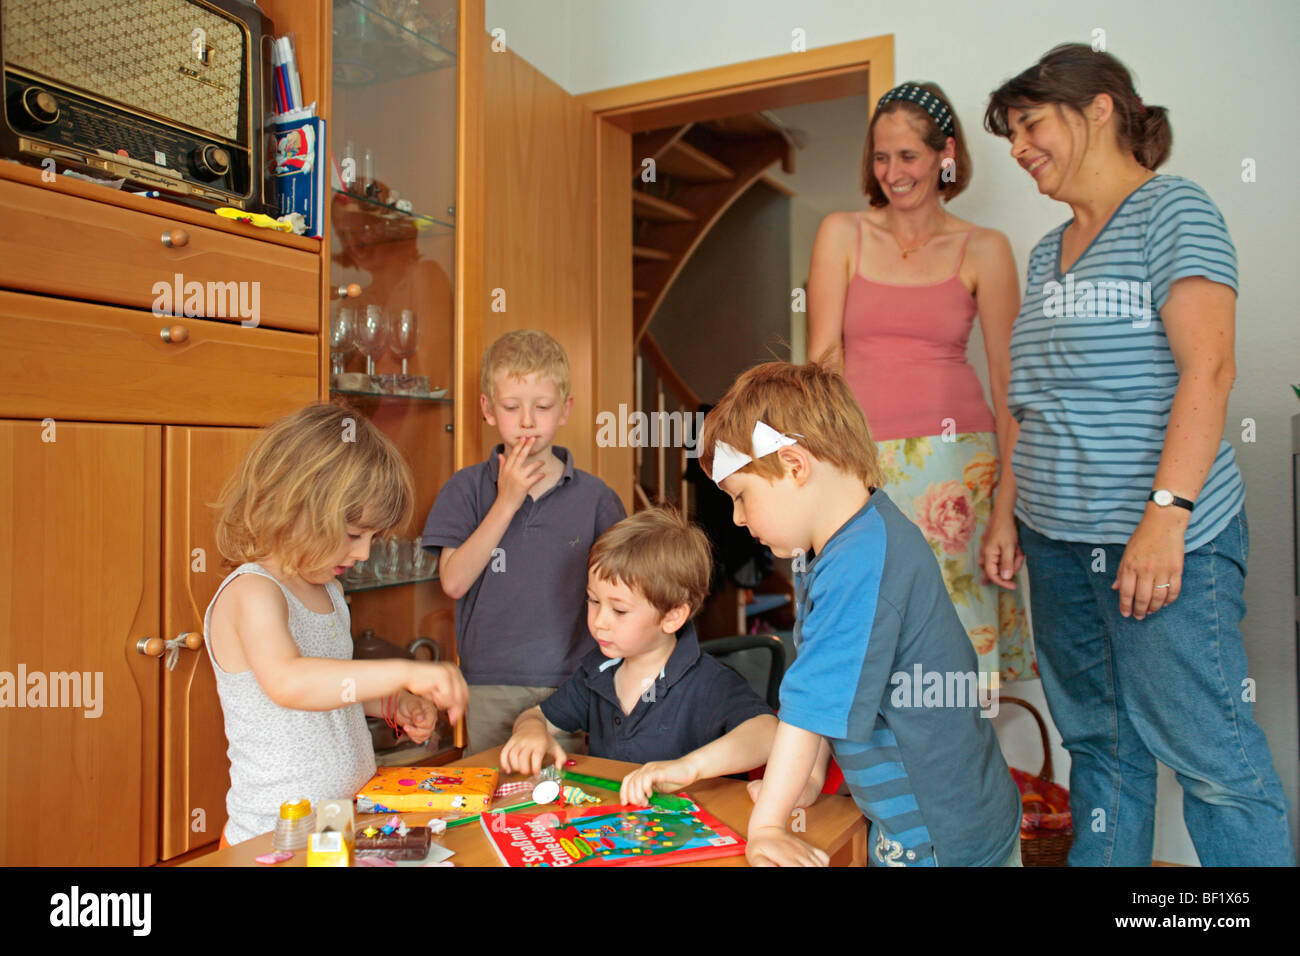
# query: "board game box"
407, 789
610, 836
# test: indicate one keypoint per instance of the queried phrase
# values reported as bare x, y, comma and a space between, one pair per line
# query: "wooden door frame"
792, 79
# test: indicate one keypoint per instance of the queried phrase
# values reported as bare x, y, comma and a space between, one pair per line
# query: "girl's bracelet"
388, 711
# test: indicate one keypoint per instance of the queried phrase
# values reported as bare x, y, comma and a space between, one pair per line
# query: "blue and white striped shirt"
1093, 377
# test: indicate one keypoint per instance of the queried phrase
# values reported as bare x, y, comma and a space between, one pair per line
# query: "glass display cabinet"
392, 257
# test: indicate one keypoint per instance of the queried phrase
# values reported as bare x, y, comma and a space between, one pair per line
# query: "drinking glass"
342, 332
372, 335
404, 556
406, 337
390, 558
420, 559
362, 573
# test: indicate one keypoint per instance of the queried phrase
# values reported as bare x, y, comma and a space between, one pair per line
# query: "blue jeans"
1125, 693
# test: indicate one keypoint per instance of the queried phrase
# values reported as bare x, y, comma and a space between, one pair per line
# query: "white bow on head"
766, 439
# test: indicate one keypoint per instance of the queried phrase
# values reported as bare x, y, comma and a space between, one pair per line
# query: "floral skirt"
945, 485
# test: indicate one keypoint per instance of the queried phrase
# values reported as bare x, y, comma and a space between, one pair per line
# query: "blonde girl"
309, 498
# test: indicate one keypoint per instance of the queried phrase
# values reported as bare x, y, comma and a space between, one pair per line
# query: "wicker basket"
1042, 847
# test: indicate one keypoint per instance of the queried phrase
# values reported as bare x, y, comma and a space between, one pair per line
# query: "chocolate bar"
411, 845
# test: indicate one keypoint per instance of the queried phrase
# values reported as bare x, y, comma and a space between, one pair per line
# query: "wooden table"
835, 824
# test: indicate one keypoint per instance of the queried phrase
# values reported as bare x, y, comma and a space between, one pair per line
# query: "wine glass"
372, 335
342, 332
390, 558
406, 337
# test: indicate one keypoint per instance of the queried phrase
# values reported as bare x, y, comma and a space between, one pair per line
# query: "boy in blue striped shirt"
885, 677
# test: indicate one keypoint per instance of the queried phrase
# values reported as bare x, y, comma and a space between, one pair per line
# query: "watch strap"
1173, 499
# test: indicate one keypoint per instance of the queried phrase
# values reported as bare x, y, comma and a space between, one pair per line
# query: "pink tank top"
905, 355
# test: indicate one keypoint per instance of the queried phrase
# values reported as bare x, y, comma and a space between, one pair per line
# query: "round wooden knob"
175, 238
193, 640
175, 333
151, 646
349, 291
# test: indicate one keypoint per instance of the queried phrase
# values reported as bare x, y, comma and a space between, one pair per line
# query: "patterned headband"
924, 99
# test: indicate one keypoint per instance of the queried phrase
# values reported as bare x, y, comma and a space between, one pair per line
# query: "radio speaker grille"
173, 58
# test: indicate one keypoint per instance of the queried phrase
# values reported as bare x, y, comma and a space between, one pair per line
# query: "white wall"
1230, 82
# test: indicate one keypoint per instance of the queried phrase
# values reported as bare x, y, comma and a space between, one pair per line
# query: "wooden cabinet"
122, 414
79, 586
114, 443
108, 542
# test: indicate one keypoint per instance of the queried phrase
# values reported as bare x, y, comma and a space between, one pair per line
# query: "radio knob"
39, 107
211, 161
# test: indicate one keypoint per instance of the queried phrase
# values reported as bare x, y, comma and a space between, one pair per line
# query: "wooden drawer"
73, 360
58, 244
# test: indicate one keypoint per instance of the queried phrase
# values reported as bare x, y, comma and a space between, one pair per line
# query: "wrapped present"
433, 789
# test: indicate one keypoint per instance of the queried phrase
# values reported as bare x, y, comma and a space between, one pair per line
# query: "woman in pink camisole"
892, 295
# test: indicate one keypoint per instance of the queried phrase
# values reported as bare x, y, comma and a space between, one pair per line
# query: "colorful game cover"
298, 167
407, 789
610, 836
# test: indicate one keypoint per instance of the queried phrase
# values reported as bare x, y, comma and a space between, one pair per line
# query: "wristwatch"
1163, 498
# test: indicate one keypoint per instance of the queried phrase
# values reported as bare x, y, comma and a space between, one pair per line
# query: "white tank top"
277, 754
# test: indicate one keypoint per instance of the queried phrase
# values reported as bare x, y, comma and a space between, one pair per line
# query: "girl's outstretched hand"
416, 716
443, 684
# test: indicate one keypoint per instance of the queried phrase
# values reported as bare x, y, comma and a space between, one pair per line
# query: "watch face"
1163, 498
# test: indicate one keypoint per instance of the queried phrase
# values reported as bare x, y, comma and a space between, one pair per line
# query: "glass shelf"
390, 396
380, 585
371, 46
384, 212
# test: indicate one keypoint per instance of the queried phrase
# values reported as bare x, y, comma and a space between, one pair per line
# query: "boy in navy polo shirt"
514, 532
646, 693
790, 446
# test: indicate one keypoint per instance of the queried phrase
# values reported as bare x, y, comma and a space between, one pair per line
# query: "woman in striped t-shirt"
1130, 503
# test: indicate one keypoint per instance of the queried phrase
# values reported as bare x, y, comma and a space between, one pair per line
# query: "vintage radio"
167, 94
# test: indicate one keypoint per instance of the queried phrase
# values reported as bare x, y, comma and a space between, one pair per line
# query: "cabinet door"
79, 566
195, 770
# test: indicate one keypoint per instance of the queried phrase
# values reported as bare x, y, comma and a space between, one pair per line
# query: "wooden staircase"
684, 179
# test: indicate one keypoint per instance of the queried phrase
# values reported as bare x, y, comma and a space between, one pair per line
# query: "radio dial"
210, 161
39, 107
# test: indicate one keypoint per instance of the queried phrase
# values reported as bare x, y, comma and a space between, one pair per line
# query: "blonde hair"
309, 476
522, 353
809, 401
660, 555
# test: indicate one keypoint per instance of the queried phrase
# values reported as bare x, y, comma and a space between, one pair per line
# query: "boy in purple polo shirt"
514, 532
